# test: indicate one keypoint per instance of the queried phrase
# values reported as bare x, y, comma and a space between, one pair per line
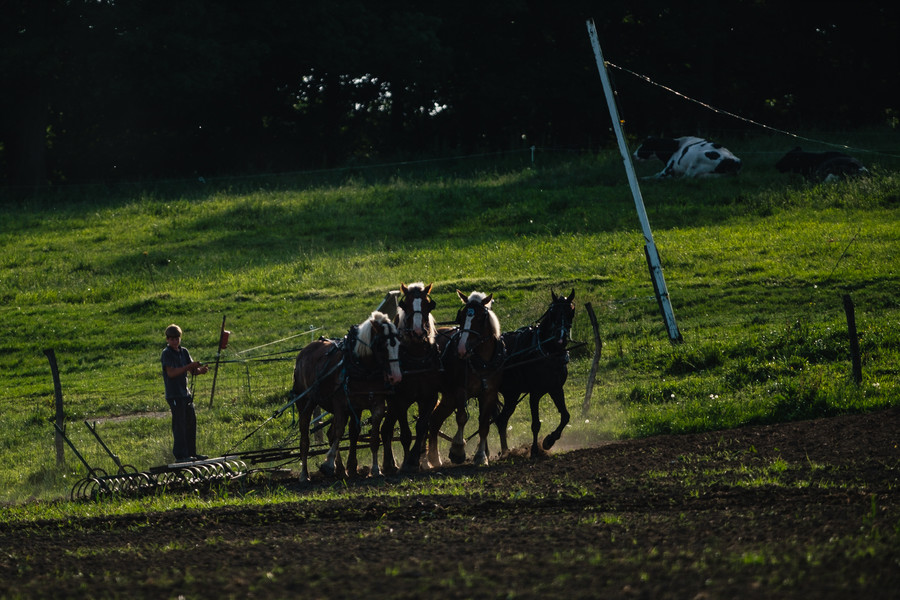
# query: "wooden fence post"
598, 347
60, 416
223, 343
854, 339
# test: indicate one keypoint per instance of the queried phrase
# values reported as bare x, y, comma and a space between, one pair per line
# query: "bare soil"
799, 510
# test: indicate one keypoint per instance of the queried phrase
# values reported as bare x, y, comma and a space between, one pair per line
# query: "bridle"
421, 305
558, 320
381, 341
474, 313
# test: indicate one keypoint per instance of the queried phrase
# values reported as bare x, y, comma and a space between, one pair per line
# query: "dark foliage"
131, 89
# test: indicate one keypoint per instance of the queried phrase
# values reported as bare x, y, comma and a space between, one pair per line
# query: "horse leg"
353, 427
487, 406
413, 458
559, 399
377, 414
534, 401
333, 466
303, 420
320, 437
389, 465
501, 419
440, 414
458, 445
405, 432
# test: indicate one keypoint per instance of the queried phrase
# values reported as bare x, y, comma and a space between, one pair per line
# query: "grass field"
756, 266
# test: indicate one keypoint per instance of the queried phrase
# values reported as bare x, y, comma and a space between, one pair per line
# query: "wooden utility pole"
659, 282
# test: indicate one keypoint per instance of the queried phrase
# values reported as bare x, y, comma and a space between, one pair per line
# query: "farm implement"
128, 481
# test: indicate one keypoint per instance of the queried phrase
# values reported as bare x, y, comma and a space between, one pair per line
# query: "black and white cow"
820, 166
689, 157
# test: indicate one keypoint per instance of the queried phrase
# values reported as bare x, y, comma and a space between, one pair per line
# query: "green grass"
756, 267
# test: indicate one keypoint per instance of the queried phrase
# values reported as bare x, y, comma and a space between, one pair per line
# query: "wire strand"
736, 116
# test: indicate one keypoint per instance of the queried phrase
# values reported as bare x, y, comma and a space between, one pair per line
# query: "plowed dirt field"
800, 510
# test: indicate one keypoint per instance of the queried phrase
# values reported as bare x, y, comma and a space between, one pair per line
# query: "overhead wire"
717, 110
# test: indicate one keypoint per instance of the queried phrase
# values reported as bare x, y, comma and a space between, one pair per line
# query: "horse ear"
462, 297
572, 295
553, 295
428, 289
487, 301
404, 289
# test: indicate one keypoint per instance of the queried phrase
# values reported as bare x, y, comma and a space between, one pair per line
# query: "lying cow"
689, 157
820, 166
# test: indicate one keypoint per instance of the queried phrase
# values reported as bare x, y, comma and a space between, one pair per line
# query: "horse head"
556, 324
477, 323
378, 339
414, 317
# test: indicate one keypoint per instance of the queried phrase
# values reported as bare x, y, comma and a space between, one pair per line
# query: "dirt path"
801, 510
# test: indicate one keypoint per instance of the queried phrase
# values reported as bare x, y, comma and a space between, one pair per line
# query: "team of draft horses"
385, 366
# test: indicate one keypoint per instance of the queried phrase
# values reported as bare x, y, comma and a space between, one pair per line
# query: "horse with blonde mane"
421, 376
346, 377
472, 355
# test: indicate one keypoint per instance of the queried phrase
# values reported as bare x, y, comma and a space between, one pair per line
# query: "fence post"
60, 416
854, 339
223, 343
598, 346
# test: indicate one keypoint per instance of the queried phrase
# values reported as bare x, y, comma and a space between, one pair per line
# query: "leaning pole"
659, 283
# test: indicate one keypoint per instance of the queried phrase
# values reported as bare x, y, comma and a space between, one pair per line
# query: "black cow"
820, 166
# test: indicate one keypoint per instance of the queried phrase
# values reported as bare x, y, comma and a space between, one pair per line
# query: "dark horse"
471, 354
346, 377
537, 364
421, 376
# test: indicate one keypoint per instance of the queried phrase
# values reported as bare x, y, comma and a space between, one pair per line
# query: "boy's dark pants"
184, 428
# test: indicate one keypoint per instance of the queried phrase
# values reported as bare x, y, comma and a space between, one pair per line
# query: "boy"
176, 364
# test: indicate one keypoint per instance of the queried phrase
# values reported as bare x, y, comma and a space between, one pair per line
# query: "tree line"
106, 90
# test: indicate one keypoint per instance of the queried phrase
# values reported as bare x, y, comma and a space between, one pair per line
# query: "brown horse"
421, 376
346, 377
536, 364
472, 355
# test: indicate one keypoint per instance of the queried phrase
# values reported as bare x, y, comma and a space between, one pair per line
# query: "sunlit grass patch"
756, 267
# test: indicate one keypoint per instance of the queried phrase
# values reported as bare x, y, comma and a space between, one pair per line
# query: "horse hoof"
410, 467
550, 440
433, 462
538, 452
457, 457
480, 459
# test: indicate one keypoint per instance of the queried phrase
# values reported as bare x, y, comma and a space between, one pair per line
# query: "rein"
290, 403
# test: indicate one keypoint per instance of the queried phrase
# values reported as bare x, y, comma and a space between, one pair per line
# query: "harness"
352, 369
537, 344
474, 362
